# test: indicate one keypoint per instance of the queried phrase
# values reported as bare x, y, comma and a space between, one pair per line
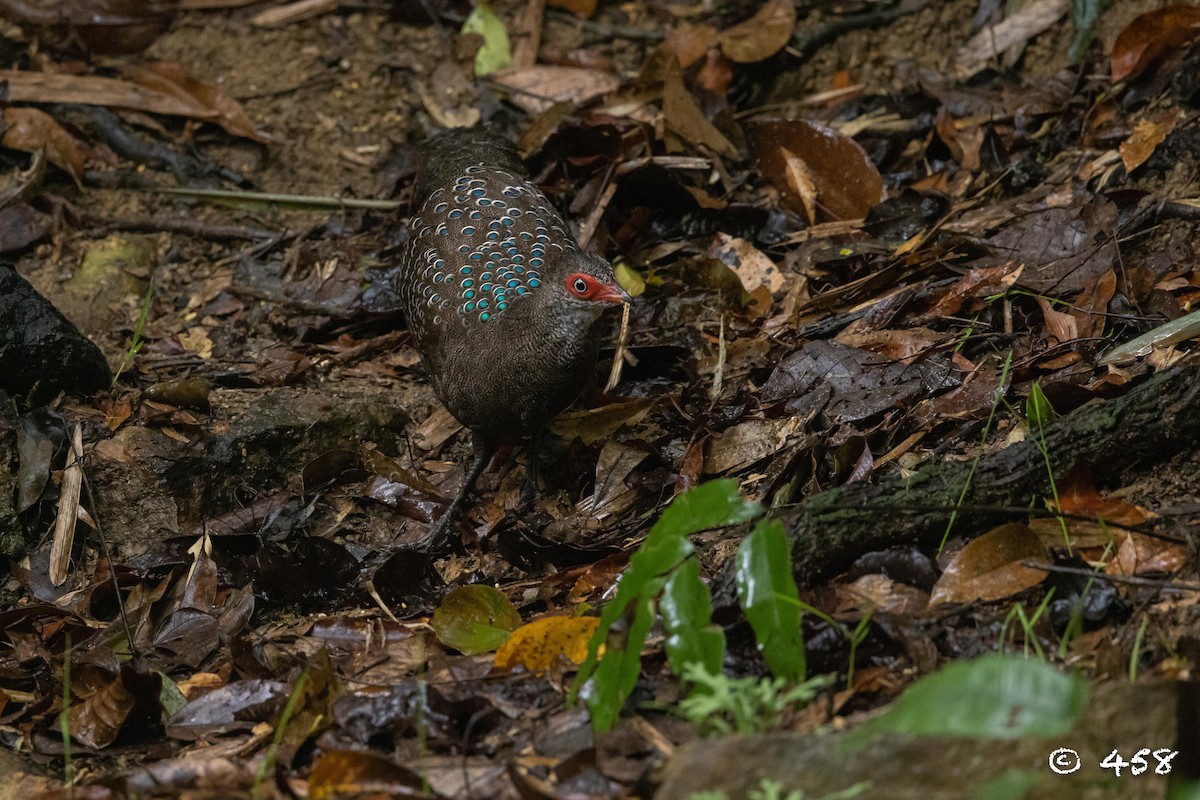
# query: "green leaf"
169, 695
617, 673
994, 697
709, 505
496, 53
768, 594
475, 619
1084, 15
687, 617
1038, 410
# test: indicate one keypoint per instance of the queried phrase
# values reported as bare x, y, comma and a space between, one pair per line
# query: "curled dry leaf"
580, 8
798, 156
761, 36
174, 80
1151, 36
1148, 134
538, 645
990, 567
33, 131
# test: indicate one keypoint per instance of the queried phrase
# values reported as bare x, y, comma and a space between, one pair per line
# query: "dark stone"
41, 352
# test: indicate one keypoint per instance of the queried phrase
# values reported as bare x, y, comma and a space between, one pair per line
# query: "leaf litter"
836, 256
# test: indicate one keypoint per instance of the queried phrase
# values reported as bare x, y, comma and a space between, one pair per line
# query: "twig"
1131, 580
306, 201
188, 227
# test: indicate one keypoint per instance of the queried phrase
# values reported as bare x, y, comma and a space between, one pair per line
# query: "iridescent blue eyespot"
469, 307
487, 276
499, 292
495, 256
526, 235
517, 257
484, 317
455, 214
513, 283
476, 215
483, 201
442, 208
469, 294
476, 256
492, 236
518, 269
501, 306
521, 290
465, 270
534, 283
467, 230
483, 303
468, 283
514, 212
485, 287
507, 220
494, 225
536, 262
478, 192
435, 298
500, 204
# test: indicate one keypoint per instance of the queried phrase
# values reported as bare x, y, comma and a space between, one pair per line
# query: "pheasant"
501, 302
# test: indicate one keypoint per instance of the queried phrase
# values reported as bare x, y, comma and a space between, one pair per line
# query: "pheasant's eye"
580, 285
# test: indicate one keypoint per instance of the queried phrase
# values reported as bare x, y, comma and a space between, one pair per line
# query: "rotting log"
1144, 427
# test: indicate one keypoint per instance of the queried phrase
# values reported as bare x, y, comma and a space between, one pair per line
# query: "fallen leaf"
761, 36
536, 89
1148, 134
989, 567
474, 619
846, 182
752, 266
537, 645
174, 80
1151, 36
689, 43
1077, 495
593, 424
31, 131
583, 9
686, 120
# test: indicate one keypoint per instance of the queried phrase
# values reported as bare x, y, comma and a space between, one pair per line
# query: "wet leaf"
234, 707
1038, 411
538, 644
687, 620
752, 266
496, 52
768, 594
1077, 495
1151, 36
593, 424
795, 154
989, 567
761, 36
31, 130
994, 697
475, 619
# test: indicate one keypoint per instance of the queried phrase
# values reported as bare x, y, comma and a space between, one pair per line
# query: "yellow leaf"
536, 645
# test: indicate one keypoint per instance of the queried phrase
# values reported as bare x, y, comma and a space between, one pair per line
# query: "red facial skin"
588, 287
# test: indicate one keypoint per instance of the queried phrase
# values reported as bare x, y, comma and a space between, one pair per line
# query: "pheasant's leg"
482, 451
529, 492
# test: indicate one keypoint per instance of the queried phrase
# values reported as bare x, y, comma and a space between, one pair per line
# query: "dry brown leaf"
792, 154
1077, 495
686, 120
1060, 326
761, 36
538, 644
989, 567
174, 80
1151, 36
689, 42
752, 266
747, 442
30, 130
43, 87
1148, 134
1013, 31
536, 89
593, 424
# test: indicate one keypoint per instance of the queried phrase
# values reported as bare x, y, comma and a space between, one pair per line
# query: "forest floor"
865, 240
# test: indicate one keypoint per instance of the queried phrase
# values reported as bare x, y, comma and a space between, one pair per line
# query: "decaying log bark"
1146, 426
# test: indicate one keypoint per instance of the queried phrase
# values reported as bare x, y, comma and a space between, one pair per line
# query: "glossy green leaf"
768, 594
994, 697
708, 505
496, 52
617, 673
686, 610
475, 619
